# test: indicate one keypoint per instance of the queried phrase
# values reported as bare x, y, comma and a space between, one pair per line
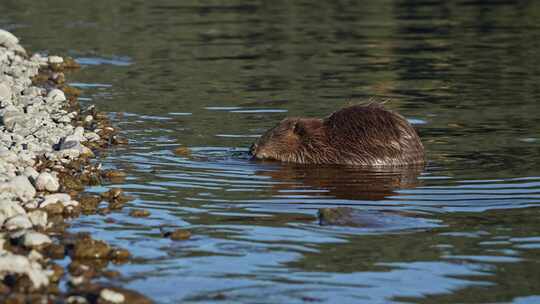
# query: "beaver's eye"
298, 128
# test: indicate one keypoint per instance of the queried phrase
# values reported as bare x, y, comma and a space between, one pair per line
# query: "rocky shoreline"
47, 142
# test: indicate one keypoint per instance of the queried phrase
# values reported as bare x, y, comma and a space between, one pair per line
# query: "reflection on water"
345, 183
214, 75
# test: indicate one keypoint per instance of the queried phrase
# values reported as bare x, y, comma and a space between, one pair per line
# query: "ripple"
260, 111
117, 61
89, 85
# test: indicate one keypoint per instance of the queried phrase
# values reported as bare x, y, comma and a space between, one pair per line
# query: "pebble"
71, 203
33, 239
36, 135
30, 172
88, 119
111, 296
13, 263
56, 95
182, 151
5, 92
87, 248
20, 221
38, 218
11, 118
76, 300
46, 181
9, 209
179, 234
92, 136
7, 38
56, 59
139, 213
55, 208
21, 187
55, 198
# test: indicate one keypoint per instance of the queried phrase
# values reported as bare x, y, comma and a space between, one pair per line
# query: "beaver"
359, 135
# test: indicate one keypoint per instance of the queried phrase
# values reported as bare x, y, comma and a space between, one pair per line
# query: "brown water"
213, 75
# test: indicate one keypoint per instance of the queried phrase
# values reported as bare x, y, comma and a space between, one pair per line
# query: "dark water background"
213, 75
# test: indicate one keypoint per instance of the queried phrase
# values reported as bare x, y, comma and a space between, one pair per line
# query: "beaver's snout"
253, 149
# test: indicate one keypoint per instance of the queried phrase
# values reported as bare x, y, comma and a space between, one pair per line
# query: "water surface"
213, 75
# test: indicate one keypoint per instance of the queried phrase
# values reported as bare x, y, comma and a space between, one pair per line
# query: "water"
213, 75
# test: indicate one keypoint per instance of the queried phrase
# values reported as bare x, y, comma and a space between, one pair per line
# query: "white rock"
71, 149
31, 204
56, 59
65, 119
5, 92
11, 118
21, 187
32, 239
38, 58
8, 156
70, 142
111, 296
87, 152
76, 300
17, 233
9, 209
38, 218
56, 95
78, 132
55, 198
71, 203
35, 256
75, 280
7, 38
91, 136
47, 181
20, 221
30, 172
13, 263
10, 41
33, 91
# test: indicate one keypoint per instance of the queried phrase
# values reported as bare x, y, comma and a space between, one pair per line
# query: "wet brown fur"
361, 135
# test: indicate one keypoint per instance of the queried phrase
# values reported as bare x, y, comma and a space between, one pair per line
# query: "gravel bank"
46, 143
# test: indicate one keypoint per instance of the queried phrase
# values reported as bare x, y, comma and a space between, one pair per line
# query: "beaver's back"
372, 135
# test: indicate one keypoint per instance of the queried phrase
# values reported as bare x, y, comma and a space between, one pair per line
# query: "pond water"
214, 75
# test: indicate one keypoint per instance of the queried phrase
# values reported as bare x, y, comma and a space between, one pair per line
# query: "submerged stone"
182, 151
139, 213
89, 203
87, 248
70, 182
113, 174
178, 234
120, 254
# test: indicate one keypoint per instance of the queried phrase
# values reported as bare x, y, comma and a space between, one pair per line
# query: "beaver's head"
287, 141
